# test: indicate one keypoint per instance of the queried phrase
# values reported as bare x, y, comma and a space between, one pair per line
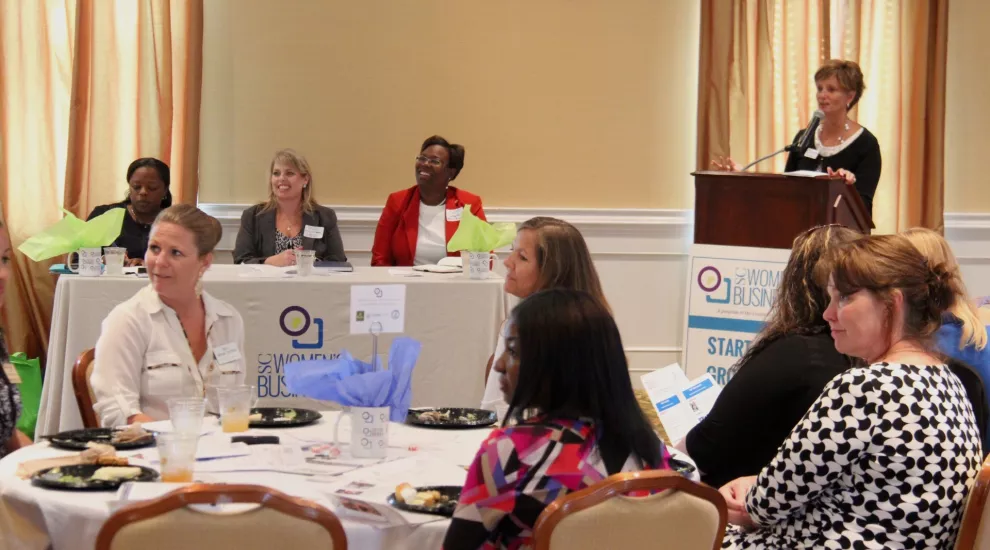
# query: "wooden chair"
81, 372
974, 533
684, 515
167, 523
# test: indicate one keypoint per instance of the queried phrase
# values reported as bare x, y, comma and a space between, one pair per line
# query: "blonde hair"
297, 161
205, 228
935, 248
563, 258
849, 75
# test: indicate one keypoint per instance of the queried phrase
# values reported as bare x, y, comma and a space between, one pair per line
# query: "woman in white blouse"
548, 253
171, 339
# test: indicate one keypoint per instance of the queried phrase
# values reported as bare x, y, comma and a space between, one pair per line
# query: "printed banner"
730, 291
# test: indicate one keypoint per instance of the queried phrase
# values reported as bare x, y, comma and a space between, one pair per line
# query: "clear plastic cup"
113, 258
186, 414
304, 262
235, 407
177, 452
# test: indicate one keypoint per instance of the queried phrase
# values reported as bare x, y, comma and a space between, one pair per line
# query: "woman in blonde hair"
963, 335
548, 253
171, 339
289, 220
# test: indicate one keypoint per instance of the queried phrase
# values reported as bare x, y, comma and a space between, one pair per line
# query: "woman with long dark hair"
573, 420
779, 376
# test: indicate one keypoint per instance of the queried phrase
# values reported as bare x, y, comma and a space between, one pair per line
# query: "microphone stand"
761, 159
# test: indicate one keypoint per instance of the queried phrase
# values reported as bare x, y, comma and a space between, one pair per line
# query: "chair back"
81, 372
169, 523
974, 533
684, 515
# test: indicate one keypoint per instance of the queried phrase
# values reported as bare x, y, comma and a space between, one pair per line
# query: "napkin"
70, 234
354, 383
475, 235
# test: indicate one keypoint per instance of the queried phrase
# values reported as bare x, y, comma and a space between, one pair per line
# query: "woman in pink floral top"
573, 421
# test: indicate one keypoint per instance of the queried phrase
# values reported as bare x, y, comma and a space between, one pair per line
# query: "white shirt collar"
149, 300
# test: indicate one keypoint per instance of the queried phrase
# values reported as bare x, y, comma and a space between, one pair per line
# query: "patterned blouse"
10, 402
883, 459
517, 472
284, 242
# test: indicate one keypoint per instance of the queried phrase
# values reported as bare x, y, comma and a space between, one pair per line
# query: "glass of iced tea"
177, 452
235, 407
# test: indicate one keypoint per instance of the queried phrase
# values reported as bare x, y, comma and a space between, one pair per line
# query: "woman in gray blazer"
291, 219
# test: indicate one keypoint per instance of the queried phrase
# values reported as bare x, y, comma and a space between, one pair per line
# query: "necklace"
841, 138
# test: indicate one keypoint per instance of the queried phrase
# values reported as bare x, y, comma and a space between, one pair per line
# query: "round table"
35, 518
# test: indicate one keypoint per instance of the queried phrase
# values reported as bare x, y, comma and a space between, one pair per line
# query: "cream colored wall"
564, 103
967, 116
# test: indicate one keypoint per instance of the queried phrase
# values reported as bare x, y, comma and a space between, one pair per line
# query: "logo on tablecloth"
296, 321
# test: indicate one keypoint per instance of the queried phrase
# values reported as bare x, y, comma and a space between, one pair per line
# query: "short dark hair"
157, 166
849, 75
572, 365
454, 151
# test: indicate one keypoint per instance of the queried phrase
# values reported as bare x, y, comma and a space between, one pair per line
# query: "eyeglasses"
436, 163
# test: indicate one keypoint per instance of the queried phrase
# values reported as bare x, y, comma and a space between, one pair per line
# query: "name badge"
227, 353
454, 214
811, 153
11, 373
313, 232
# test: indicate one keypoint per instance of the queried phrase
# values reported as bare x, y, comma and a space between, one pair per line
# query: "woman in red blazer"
416, 223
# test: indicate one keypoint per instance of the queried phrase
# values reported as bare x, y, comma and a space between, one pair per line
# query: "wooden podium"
769, 210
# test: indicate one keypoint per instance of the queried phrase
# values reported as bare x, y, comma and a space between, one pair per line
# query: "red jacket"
398, 228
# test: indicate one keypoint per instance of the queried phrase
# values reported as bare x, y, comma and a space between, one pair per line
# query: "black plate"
270, 414
76, 440
446, 509
681, 467
484, 418
45, 478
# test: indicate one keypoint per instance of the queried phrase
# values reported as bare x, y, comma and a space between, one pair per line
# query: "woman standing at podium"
841, 145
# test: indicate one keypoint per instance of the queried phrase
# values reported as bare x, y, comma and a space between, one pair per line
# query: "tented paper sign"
730, 291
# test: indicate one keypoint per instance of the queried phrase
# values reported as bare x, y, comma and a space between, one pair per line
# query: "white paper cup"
90, 262
477, 265
304, 262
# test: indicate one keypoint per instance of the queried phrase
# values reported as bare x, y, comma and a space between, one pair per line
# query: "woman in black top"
779, 377
148, 194
841, 146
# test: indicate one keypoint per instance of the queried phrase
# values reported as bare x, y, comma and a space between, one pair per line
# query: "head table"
289, 319
32, 518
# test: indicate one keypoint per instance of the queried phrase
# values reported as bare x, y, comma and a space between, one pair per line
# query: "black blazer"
256, 237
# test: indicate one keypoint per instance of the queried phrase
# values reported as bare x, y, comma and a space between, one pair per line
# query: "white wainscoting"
641, 256
969, 235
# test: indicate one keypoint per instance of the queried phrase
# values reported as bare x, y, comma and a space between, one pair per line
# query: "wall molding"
614, 221
642, 257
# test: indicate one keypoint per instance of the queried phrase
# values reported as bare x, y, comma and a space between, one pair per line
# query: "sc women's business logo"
296, 321
709, 280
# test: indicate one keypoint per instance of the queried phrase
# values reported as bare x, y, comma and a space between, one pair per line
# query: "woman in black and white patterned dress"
886, 455
10, 400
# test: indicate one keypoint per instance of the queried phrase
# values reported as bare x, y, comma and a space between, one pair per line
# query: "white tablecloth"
31, 518
455, 318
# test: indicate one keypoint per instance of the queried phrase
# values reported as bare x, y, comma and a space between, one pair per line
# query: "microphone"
804, 140
801, 142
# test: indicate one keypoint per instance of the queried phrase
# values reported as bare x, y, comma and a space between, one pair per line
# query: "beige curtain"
901, 46
756, 89
136, 93
85, 88
36, 39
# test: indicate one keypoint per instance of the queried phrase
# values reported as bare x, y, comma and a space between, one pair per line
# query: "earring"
199, 285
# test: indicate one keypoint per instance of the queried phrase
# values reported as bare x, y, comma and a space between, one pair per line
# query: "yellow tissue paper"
70, 234
476, 235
